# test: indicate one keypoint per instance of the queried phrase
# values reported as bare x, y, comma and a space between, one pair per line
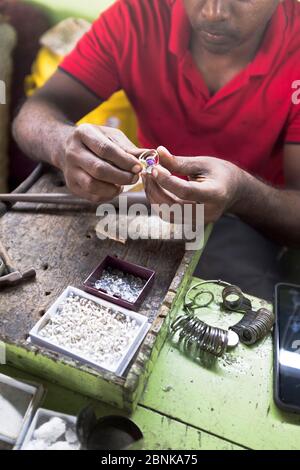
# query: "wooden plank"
160, 432
233, 398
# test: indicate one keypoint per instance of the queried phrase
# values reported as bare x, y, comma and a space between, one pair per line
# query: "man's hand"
210, 181
98, 161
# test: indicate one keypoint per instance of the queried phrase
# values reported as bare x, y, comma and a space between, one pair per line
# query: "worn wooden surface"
63, 247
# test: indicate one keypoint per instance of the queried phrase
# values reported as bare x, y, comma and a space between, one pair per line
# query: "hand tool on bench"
8, 264
69, 199
24, 187
43, 198
15, 278
12, 277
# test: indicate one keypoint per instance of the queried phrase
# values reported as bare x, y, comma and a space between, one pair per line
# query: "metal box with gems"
118, 281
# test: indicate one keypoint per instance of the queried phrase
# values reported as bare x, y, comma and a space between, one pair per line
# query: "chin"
218, 49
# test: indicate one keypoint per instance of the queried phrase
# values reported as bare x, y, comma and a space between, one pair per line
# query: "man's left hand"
211, 181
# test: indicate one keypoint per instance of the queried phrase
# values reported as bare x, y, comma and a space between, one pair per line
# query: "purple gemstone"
151, 161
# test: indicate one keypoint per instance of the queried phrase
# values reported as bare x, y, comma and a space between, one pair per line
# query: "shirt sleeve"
293, 126
95, 60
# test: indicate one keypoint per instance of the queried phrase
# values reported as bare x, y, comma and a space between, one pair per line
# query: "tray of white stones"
91, 331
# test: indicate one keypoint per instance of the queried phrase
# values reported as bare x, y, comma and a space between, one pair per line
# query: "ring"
149, 159
206, 304
240, 303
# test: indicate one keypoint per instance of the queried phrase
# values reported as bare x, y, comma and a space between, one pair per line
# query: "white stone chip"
36, 445
50, 431
71, 436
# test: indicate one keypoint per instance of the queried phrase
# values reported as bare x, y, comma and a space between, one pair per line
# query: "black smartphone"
287, 347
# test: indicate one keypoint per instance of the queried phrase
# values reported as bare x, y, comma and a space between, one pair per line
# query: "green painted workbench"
186, 405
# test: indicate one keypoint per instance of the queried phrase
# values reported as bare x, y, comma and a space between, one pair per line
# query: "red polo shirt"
142, 46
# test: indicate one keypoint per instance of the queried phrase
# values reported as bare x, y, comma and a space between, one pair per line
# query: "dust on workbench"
61, 244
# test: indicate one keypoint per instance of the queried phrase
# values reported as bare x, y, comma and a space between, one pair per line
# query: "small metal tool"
44, 198
254, 326
8, 264
2, 267
69, 200
234, 299
10, 276
23, 187
195, 336
15, 278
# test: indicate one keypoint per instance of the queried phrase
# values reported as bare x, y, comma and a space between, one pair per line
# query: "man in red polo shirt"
213, 79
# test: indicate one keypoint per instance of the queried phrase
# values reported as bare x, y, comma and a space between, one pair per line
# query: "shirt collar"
267, 53
180, 29
272, 43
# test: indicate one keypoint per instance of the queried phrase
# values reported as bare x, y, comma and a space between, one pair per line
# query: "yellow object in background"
116, 112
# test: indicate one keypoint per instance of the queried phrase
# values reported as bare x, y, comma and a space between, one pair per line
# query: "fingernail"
136, 169
161, 148
154, 173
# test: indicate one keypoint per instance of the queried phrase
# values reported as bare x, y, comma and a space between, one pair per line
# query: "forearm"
274, 211
41, 130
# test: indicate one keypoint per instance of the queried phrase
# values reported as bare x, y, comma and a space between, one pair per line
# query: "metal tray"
129, 268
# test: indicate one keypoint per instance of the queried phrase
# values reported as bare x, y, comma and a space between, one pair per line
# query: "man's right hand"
98, 161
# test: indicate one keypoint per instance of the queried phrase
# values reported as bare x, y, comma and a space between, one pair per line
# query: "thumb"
167, 160
180, 165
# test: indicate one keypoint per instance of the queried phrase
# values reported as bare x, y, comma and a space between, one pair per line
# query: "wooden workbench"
62, 245
185, 405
